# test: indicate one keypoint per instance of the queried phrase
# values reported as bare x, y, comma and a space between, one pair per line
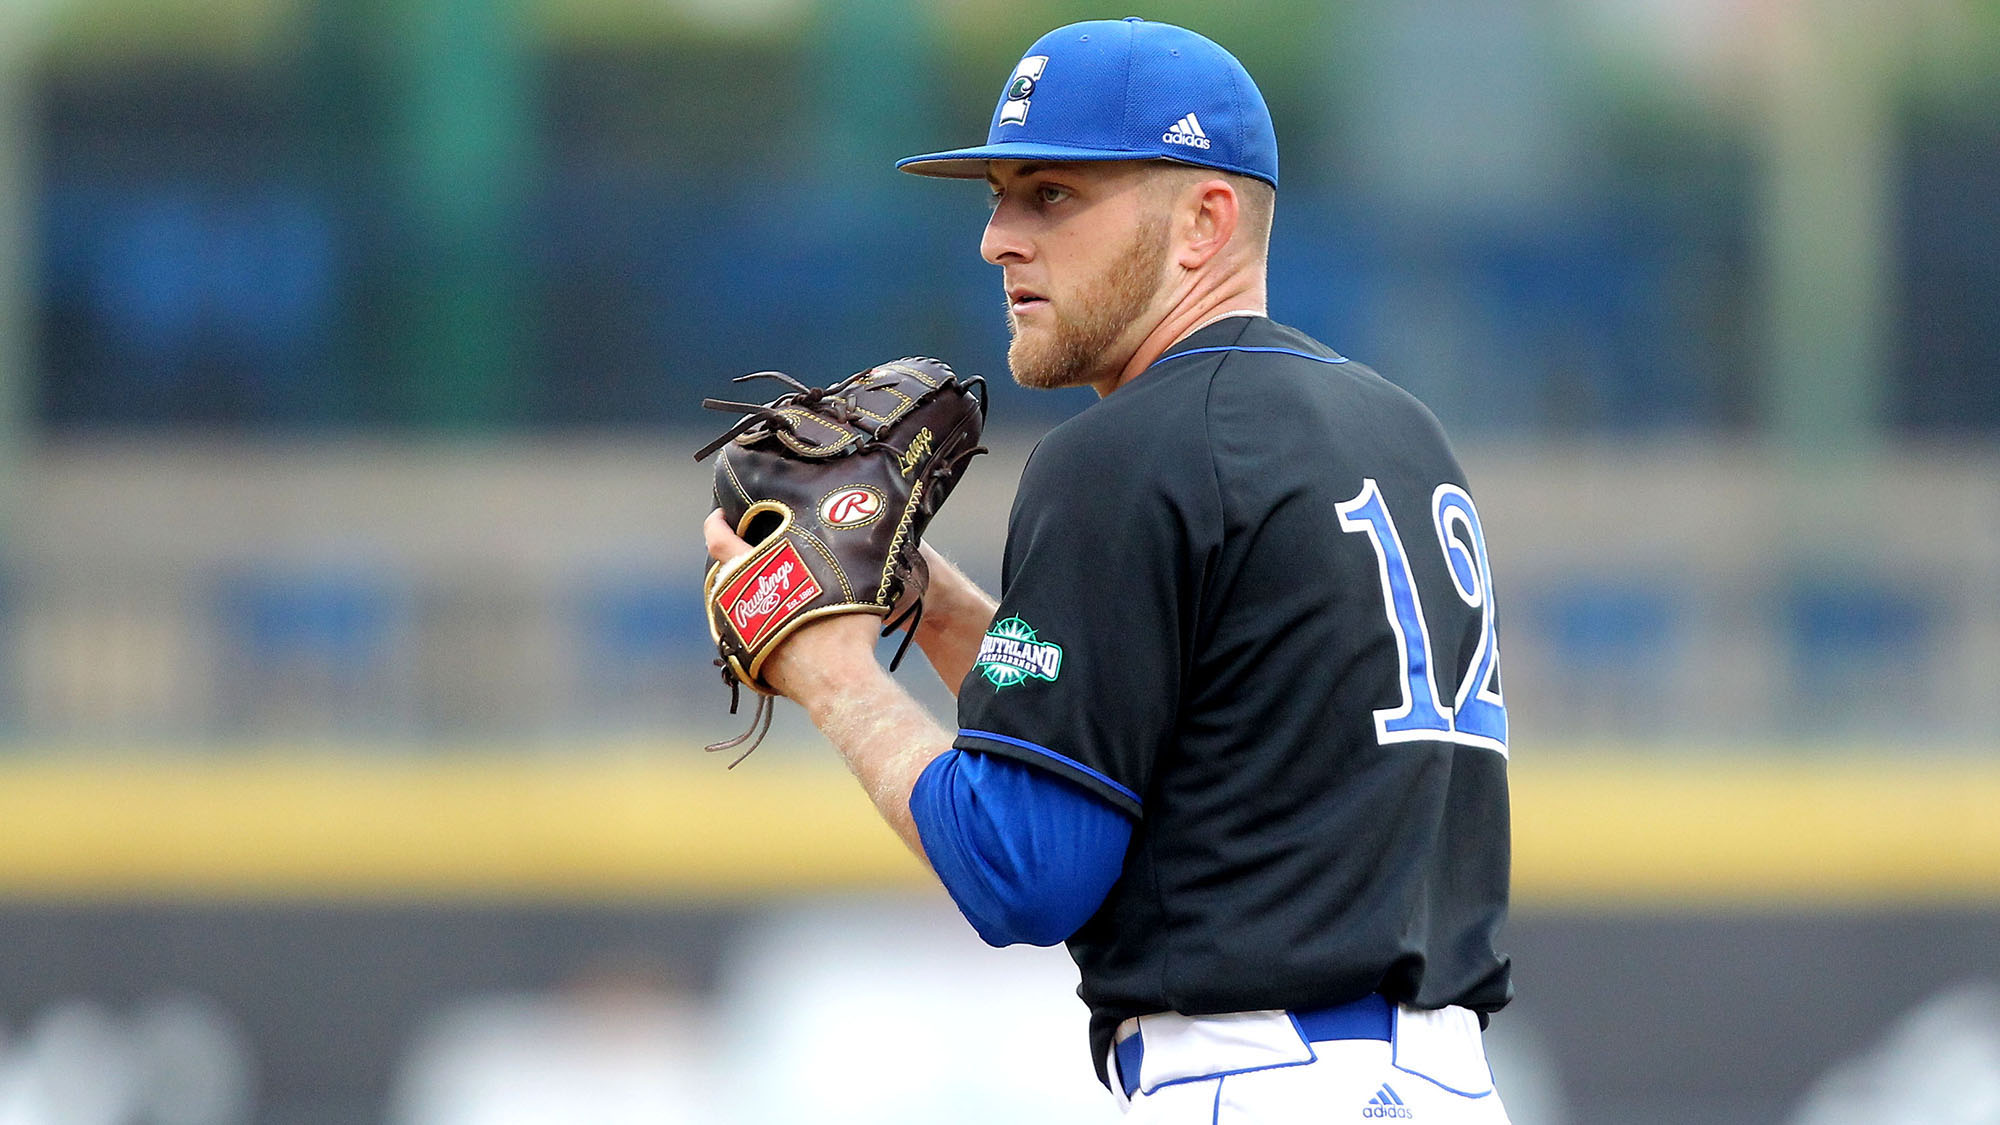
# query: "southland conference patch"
1009, 654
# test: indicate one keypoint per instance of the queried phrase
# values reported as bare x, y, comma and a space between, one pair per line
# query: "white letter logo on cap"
1021, 87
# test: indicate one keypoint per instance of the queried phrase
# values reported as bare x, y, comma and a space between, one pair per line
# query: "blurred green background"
352, 676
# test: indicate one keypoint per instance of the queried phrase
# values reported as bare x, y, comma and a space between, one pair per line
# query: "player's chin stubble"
1077, 350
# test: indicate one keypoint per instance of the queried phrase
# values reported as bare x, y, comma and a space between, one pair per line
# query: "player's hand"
804, 659
723, 543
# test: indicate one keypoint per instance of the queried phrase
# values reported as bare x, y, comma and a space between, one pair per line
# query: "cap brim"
970, 163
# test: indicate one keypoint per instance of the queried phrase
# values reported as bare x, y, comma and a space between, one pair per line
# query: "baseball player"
1234, 728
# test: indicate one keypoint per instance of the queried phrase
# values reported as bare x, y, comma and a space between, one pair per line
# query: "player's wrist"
823, 656
952, 602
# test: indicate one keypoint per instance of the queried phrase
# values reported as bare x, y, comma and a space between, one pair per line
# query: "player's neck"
1242, 291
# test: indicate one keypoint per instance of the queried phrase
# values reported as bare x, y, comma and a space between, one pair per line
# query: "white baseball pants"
1256, 1068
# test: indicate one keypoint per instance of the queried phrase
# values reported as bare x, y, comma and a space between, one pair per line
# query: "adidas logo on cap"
1186, 131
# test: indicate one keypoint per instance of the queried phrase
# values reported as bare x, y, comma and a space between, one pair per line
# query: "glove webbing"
812, 398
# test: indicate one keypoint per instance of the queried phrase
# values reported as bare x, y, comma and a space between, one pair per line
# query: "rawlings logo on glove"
761, 598
833, 488
850, 507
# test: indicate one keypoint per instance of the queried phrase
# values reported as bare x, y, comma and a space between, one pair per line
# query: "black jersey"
1246, 598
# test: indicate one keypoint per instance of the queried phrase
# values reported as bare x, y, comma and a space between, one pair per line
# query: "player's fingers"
723, 544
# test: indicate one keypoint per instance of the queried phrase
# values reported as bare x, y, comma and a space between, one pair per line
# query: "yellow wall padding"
624, 823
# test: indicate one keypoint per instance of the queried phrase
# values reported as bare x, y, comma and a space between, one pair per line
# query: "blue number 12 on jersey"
1477, 716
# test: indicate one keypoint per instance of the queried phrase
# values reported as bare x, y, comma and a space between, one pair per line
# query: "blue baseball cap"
1127, 89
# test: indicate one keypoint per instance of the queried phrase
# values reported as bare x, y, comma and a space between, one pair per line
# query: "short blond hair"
1259, 207
1257, 201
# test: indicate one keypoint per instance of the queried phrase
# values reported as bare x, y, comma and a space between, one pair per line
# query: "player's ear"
1211, 211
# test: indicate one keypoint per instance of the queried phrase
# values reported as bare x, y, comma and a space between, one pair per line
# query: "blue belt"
1367, 1018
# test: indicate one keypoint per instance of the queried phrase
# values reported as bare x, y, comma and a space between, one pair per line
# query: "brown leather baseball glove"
833, 488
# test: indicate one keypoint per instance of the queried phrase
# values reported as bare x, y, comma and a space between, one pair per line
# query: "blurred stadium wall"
352, 680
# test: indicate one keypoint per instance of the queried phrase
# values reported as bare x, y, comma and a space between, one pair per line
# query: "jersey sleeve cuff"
1021, 750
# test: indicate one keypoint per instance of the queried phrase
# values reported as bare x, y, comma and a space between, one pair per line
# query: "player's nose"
1003, 241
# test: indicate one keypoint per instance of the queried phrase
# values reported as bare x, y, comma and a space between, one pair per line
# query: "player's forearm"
957, 614
885, 737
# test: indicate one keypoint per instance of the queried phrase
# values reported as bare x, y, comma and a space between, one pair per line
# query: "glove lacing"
760, 720
819, 400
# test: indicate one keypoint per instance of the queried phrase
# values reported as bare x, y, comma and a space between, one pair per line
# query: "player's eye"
993, 196
1050, 193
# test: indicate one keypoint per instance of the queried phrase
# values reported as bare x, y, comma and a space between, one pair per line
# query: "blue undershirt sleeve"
1027, 855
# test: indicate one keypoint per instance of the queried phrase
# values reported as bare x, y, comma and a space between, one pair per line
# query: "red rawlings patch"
763, 596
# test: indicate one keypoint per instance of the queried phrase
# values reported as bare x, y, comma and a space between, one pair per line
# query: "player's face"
1083, 255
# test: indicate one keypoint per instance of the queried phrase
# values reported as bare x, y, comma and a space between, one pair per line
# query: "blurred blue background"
312, 216
352, 675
